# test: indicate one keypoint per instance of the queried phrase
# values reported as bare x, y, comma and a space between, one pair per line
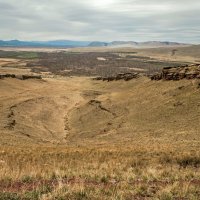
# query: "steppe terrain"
67, 136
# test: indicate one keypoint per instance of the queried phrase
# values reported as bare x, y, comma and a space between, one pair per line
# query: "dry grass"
134, 140
122, 172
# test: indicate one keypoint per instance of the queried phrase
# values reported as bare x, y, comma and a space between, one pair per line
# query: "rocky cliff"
21, 77
120, 76
178, 73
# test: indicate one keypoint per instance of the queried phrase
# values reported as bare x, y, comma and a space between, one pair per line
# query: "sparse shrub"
166, 159
9, 196
27, 179
166, 196
142, 191
7, 181
137, 163
35, 194
104, 179
188, 161
54, 176
32, 195
81, 195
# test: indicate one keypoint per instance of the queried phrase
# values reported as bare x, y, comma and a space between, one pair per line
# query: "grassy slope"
138, 109
137, 140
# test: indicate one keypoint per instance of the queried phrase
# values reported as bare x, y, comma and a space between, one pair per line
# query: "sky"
101, 20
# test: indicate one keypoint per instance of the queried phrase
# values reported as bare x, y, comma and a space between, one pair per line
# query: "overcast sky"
103, 20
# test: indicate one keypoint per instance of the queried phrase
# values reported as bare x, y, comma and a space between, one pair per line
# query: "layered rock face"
121, 76
178, 73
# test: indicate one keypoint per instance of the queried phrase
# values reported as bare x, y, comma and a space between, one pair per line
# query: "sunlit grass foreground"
115, 172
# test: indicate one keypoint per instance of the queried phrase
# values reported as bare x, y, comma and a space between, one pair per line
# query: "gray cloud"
105, 20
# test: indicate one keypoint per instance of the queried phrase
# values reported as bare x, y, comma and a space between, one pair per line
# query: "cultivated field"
67, 136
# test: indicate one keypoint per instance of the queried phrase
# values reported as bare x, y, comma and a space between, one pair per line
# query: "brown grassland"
76, 138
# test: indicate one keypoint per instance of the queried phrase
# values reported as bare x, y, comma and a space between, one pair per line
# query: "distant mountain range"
147, 44
54, 43
69, 43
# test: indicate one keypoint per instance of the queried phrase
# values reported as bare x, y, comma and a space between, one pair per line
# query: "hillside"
99, 111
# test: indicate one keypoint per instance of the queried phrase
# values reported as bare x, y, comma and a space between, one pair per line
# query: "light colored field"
183, 54
13, 66
12, 62
12, 70
29, 49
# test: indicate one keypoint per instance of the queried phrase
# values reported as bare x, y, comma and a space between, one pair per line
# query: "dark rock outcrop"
21, 77
25, 77
121, 76
7, 76
178, 73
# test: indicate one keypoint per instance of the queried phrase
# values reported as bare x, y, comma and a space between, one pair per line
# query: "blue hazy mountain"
98, 44
70, 43
54, 43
